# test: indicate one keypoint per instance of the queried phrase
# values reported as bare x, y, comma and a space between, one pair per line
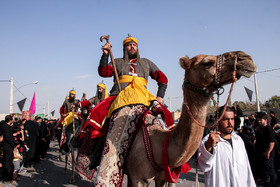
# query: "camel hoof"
171, 184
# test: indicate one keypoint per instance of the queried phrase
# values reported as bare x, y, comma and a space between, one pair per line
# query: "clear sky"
56, 42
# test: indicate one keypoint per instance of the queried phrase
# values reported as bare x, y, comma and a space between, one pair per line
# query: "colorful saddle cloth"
122, 128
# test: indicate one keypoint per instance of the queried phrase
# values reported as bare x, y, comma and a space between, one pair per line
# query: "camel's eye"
209, 63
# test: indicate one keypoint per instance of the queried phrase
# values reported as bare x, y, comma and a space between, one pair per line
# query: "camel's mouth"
246, 67
246, 72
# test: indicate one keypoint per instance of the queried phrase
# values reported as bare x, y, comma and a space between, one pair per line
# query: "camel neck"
188, 133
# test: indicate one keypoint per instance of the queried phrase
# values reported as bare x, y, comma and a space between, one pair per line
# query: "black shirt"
264, 137
8, 138
273, 121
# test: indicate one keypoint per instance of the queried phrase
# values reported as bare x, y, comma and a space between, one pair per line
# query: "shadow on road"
50, 172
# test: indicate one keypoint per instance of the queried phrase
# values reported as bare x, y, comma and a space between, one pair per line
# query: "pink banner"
32, 108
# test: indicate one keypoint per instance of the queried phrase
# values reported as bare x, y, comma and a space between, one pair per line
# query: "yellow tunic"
135, 93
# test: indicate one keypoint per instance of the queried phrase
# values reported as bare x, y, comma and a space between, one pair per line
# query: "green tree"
273, 102
240, 103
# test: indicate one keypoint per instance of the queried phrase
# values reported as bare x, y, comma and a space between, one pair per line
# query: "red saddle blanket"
123, 127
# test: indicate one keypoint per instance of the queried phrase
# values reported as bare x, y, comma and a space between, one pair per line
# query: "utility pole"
257, 93
11, 95
48, 109
44, 111
12, 91
169, 104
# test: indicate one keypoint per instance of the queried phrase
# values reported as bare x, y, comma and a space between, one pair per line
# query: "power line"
268, 70
26, 97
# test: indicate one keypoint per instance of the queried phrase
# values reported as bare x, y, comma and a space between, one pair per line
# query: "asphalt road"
50, 173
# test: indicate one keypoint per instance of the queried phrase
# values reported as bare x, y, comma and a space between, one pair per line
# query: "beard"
71, 99
99, 95
132, 56
226, 130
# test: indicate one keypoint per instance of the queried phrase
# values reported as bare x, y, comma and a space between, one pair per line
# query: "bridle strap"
219, 66
204, 91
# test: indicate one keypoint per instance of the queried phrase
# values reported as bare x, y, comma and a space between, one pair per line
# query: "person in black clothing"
8, 148
21, 138
43, 139
32, 132
40, 139
239, 113
247, 122
273, 121
249, 144
265, 142
15, 120
277, 155
47, 134
52, 130
1, 157
237, 122
252, 119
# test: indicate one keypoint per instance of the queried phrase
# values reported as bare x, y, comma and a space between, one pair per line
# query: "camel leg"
160, 183
73, 165
169, 184
131, 183
66, 160
70, 158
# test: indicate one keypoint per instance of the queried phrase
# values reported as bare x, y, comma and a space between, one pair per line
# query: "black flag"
52, 113
249, 93
21, 104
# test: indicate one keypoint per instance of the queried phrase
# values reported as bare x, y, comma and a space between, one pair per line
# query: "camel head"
208, 72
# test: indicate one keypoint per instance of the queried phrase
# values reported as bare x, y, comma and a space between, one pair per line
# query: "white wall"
2, 116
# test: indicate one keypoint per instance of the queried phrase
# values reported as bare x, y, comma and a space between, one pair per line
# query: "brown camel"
202, 75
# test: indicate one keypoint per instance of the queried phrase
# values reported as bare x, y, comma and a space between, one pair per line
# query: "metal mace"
106, 37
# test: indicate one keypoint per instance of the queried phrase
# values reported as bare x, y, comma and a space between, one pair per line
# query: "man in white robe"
223, 158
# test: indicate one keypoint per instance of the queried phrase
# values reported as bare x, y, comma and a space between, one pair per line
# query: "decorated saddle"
127, 116
67, 132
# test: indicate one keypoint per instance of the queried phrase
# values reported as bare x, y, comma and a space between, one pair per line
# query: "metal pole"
48, 109
257, 93
169, 104
11, 95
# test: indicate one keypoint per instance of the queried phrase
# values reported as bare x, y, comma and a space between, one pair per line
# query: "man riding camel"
101, 94
132, 71
66, 110
87, 105
128, 67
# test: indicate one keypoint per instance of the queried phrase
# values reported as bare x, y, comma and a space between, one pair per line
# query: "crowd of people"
23, 144
241, 149
254, 147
